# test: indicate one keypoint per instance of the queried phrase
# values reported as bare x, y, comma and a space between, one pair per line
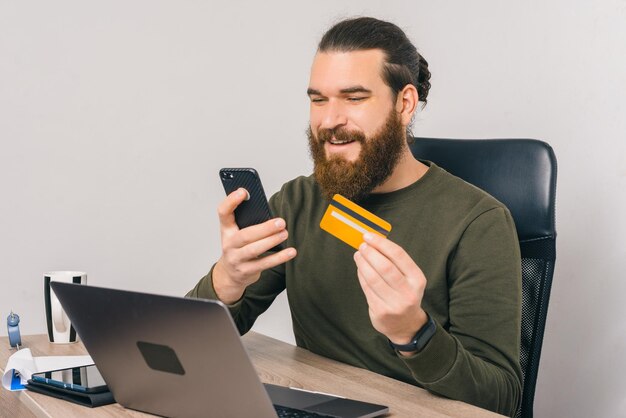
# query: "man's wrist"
422, 319
222, 285
418, 341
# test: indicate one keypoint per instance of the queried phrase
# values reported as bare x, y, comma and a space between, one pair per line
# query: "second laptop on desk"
183, 358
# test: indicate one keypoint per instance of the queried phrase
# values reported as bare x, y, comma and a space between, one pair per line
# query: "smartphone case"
90, 400
254, 210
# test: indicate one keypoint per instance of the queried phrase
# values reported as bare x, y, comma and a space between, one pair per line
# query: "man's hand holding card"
391, 281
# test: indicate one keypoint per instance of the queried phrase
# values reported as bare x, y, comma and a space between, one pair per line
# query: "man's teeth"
336, 142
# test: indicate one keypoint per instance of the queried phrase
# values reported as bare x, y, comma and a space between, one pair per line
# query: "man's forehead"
338, 70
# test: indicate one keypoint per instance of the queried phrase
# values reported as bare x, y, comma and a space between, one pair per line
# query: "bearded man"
437, 302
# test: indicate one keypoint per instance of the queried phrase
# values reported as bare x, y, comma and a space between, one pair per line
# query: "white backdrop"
116, 116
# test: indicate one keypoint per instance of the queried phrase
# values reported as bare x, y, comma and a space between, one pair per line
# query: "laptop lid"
165, 355
175, 356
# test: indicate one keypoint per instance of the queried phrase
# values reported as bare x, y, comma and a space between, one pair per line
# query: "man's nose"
334, 116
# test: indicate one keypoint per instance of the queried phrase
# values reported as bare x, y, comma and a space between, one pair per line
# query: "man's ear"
406, 103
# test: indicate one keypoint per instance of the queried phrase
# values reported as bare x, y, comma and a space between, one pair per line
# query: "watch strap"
419, 340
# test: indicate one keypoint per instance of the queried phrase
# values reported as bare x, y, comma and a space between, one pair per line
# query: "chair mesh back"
537, 268
521, 173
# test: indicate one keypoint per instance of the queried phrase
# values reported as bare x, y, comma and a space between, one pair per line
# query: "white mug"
60, 329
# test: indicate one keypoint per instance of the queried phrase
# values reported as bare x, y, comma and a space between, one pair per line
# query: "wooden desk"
276, 362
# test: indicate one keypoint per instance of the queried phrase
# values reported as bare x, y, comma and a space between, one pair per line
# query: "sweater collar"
427, 181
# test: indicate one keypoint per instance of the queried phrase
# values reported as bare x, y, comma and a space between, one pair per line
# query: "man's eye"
317, 100
356, 99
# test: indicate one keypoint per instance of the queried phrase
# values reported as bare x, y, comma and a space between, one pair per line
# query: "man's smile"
349, 149
336, 141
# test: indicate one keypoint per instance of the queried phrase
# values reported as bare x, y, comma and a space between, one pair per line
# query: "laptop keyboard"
285, 412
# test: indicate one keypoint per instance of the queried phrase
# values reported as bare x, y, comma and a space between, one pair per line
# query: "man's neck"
408, 171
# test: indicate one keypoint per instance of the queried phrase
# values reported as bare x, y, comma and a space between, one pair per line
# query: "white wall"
116, 116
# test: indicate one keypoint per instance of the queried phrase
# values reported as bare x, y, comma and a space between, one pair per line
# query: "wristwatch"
421, 338
13, 321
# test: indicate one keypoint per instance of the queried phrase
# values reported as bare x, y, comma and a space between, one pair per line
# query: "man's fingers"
226, 209
383, 267
393, 264
258, 247
258, 232
264, 263
393, 252
375, 283
373, 300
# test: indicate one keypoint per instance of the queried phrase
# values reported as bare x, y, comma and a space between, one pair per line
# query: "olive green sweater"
465, 243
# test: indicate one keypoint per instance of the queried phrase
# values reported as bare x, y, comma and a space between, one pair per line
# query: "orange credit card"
348, 221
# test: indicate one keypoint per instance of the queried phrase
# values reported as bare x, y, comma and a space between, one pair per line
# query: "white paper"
25, 365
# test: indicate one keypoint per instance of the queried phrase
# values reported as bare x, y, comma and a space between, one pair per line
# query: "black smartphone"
256, 209
86, 379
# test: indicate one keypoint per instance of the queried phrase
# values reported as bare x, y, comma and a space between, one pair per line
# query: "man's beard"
377, 159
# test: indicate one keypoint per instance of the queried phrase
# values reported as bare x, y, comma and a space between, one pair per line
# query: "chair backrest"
521, 173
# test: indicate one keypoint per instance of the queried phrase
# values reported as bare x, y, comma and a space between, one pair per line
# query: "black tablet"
86, 379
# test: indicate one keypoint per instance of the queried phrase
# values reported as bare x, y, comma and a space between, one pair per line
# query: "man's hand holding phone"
240, 264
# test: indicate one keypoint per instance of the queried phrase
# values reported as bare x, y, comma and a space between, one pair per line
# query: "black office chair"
521, 173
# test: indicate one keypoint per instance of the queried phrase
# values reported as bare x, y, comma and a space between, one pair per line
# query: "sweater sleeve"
475, 358
257, 297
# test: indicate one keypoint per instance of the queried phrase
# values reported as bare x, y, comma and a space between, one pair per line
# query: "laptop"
180, 357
